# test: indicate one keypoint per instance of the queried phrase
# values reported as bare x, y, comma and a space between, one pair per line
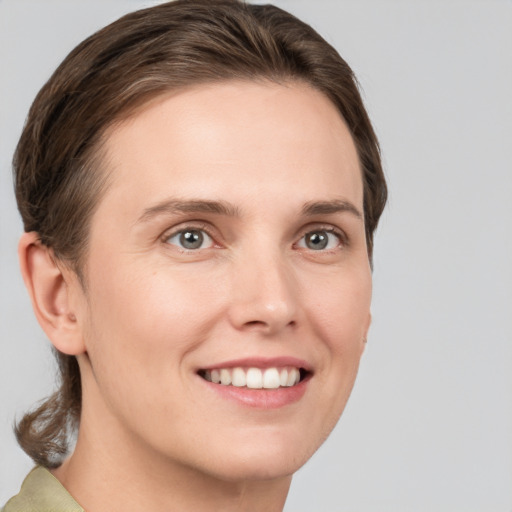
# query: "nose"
263, 295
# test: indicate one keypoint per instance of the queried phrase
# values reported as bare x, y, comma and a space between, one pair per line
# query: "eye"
191, 239
320, 240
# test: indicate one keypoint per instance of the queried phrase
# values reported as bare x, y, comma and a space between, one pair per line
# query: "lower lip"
261, 398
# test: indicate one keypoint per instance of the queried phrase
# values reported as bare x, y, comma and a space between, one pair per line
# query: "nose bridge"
264, 291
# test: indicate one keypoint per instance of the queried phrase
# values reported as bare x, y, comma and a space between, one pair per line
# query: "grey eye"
319, 240
191, 239
316, 241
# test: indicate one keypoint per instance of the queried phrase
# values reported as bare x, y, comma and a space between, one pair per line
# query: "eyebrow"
173, 206
327, 207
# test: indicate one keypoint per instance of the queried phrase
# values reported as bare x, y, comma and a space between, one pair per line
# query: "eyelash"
201, 228
339, 234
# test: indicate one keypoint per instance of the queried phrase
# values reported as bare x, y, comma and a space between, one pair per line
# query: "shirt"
42, 492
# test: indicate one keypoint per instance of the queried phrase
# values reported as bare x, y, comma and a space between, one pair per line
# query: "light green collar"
42, 492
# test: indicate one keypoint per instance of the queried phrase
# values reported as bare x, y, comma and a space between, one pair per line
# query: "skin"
153, 435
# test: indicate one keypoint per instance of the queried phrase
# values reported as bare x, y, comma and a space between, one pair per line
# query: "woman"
199, 184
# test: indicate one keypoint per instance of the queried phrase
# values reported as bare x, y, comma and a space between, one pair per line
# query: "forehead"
226, 140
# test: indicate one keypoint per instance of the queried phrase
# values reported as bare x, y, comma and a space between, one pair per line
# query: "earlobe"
48, 287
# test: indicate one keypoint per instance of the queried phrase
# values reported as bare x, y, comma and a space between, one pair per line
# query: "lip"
260, 398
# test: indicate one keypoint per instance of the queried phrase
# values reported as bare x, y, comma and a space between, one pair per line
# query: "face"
228, 284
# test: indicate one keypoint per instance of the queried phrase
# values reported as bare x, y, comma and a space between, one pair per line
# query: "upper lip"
261, 362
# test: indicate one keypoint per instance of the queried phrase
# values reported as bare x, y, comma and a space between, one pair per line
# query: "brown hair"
58, 159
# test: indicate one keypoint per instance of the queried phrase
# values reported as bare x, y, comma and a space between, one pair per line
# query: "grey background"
429, 425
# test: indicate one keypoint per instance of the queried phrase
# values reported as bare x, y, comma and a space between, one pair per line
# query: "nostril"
255, 323
261, 322
266, 327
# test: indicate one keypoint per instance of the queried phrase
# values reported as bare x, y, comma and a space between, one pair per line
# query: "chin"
255, 469
262, 458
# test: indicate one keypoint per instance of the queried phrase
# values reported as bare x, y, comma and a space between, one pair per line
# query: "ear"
50, 290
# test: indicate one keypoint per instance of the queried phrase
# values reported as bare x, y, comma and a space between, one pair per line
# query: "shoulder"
42, 492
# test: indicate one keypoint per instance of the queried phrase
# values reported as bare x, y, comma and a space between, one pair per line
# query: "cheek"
146, 321
340, 309
341, 316
140, 331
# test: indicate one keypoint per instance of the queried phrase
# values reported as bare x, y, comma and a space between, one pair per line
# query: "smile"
254, 377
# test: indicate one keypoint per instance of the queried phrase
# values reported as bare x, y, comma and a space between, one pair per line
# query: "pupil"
316, 241
191, 239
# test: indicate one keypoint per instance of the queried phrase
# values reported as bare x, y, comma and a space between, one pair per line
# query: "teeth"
239, 379
293, 377
271, 378
225, 377
254, 378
